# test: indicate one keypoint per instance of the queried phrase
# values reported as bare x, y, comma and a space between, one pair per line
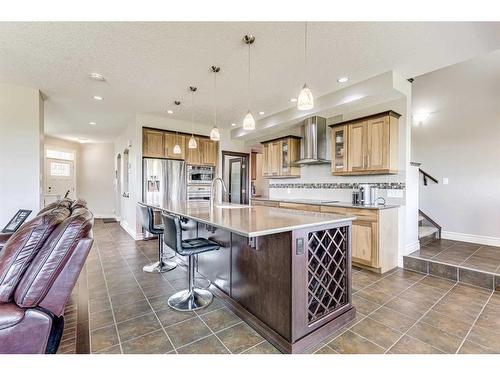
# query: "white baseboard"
464, 237
132, 233
105, 216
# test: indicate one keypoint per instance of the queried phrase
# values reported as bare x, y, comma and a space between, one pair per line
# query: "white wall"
21, 163
461, 141
94, 170
95, 178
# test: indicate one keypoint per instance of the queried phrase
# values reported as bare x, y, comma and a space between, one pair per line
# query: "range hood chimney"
313, 142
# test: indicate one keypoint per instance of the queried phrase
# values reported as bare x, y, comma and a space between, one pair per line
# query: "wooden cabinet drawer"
265, 203
334, 210
300, 206
363, 213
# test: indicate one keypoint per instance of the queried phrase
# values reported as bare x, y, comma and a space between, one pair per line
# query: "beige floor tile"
240, 337
351, 343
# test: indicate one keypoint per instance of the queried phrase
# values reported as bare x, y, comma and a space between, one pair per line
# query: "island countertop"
251, 221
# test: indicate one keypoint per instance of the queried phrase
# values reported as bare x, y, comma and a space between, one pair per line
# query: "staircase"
428, 229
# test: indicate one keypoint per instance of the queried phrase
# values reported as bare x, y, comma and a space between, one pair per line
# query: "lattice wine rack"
327, 271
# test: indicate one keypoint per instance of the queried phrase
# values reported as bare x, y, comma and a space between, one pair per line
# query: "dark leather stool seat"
147, 216
192, 298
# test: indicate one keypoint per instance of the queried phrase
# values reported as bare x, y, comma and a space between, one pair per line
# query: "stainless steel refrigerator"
164, 181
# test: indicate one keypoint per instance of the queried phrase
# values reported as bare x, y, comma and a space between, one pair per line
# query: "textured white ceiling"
149, 65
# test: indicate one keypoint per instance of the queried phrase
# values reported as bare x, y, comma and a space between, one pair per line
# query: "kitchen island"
286, 273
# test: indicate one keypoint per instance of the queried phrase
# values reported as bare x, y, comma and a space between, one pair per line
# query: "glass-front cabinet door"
285, 157
339, 142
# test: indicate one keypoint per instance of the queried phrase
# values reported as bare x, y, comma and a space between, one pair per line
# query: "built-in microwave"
199, 175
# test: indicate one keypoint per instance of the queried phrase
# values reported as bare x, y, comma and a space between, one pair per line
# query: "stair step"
426, 230
420, 218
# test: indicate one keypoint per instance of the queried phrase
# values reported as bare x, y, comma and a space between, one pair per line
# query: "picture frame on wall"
17, 220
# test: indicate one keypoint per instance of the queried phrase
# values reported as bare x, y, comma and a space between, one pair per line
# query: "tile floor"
470, 263
474, 256
398, 312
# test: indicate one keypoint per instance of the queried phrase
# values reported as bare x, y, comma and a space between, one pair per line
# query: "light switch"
445, 181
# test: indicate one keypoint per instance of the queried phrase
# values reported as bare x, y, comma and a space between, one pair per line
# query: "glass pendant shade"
215, 134
192, 142
305, 99
177, 149
249, 122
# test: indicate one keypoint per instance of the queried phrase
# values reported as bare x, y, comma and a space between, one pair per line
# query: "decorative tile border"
335, 185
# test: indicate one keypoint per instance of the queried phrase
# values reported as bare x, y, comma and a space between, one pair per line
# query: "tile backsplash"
335, 185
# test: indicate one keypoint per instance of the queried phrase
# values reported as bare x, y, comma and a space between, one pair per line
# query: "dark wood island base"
293, 288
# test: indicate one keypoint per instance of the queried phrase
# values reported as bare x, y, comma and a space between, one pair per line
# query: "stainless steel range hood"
313, 142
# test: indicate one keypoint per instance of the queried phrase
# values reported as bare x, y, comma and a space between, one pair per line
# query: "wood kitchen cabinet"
171, 139
368, 145
208, 152
279, 156
153, 143
193, 155
158, 143
374, 237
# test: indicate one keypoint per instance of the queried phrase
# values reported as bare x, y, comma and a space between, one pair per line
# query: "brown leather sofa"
39, 266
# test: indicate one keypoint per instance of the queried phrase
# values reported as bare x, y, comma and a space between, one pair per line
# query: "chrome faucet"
212, 190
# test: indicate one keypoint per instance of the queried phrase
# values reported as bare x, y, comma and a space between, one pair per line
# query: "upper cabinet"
368, 145
153, 143
279, 156
171, 139
160, 144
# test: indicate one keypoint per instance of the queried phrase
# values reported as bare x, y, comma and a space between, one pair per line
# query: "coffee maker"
365, 197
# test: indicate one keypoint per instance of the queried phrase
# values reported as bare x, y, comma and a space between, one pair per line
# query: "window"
60, 169
62, 155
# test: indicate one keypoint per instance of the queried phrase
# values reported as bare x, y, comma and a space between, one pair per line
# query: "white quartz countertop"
325, 202
251, 221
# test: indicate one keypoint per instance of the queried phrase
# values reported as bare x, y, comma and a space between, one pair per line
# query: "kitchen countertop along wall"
319, 202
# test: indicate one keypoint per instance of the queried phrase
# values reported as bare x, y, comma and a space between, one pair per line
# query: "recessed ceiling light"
233, 124
98, 98
293, 100
82, 140
97, 76
92, 123
169, 111
343, 79
262, 113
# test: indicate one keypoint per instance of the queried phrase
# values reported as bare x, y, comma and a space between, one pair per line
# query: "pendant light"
192, 141
249, 121
305, 100
177, 148
214, 133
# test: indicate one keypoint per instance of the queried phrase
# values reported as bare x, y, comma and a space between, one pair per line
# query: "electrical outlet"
395, 193
445, 181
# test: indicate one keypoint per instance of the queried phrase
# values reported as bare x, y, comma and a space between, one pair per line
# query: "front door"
59, 180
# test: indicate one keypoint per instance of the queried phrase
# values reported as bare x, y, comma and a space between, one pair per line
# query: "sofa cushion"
52, 257
66, 202
79, 203
22, 247
10, 314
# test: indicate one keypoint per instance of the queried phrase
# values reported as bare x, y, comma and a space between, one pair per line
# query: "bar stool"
148, 225
192, 298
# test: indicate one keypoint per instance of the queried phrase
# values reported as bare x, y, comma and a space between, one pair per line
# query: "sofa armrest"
4, 237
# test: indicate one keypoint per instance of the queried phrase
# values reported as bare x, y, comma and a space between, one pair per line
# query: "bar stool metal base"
159, 267
190, 301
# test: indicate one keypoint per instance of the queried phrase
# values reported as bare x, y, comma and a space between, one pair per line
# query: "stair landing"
469, 263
